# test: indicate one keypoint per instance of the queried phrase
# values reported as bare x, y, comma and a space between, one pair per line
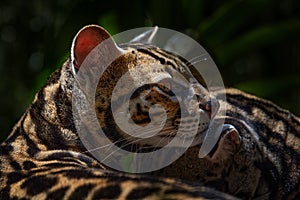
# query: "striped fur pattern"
161, 64
266, 162
43, 157
256, 157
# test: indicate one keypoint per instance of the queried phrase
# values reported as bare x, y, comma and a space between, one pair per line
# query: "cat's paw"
227, 145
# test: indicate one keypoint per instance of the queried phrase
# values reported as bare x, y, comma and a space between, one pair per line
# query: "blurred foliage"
255, 43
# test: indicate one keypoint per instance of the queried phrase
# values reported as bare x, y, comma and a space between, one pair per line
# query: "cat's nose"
211, 107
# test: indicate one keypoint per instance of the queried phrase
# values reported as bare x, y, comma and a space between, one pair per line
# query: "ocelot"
256, 155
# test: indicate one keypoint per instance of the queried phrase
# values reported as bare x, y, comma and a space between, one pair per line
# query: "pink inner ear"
86, 41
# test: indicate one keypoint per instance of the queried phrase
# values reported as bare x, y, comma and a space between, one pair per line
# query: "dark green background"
255, 43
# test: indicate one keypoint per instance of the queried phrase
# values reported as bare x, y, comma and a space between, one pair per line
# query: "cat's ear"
228, 144
146, 37
86, 40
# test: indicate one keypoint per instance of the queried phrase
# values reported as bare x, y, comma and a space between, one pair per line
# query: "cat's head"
164, 99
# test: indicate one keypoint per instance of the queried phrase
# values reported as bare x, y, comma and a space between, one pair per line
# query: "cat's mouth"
191, 130
208, 111
186, 128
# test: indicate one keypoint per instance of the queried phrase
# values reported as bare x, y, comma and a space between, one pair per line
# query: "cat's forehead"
153, 63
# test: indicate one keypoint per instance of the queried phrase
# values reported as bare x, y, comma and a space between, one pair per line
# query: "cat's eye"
172, 88
166, 86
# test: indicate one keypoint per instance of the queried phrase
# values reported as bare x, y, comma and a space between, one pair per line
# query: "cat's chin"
176, 141
186, 142
192, 140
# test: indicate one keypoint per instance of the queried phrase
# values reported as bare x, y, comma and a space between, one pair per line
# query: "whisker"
142, 132
118, 141
124, 139
169, 135
131, 142
198, 58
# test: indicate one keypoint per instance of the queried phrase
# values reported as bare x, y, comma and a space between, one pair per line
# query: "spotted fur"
43, 157
256, 156
258, 159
